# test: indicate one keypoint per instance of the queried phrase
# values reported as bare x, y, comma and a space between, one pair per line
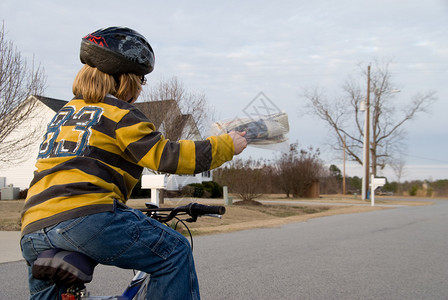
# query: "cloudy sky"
233, 50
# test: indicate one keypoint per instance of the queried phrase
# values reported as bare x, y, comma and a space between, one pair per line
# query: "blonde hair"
130, 84
93, 85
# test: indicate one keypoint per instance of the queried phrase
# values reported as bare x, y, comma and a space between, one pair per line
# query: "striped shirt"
94, 153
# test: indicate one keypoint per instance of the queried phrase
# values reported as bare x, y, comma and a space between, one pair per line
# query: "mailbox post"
375, 182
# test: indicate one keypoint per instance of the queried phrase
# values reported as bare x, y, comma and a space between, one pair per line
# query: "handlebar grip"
201, 209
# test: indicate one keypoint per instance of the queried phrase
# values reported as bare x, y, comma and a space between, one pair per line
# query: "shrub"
413, 190
197, 190
213, 188
138, 192
206, 189
243, 177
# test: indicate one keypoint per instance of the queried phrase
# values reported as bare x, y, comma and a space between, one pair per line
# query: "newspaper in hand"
263, 130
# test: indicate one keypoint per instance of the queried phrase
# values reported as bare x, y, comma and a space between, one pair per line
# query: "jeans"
125, 238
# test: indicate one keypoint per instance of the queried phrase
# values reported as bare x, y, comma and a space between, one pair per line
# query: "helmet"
117, 50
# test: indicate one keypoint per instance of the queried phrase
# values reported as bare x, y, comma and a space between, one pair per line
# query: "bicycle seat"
64, 267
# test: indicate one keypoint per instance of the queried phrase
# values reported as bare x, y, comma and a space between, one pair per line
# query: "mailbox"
375, 182
153, 182
378, 181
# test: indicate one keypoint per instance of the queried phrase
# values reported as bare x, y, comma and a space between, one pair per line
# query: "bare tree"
345, 118
246, 178
398, 166
18, 82
331, 180
181, 112
298, 169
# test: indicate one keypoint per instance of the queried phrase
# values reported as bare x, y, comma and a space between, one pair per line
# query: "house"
20, 174
169, 120
165, 115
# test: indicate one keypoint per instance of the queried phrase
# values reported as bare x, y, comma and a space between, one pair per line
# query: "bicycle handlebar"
194, 210
201, 209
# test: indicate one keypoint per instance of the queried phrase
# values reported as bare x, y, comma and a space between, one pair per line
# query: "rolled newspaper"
263, 130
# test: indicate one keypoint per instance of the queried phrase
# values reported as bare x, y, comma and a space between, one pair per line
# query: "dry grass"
10, 214
240, 217
268, 215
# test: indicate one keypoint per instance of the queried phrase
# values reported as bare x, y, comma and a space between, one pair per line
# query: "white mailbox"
378, 181
155, 183
375, 182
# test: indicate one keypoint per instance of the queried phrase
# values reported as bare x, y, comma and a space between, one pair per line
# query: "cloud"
232, 50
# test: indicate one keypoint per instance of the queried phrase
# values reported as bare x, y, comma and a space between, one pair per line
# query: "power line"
430, 159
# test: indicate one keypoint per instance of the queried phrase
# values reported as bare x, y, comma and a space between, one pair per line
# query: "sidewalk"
10, 246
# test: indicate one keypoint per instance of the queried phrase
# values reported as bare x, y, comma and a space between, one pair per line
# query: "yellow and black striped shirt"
94, 153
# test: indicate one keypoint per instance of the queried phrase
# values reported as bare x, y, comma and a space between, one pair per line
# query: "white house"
21, 174
169, 120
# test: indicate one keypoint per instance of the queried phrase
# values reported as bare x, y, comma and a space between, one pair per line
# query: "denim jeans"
125, 238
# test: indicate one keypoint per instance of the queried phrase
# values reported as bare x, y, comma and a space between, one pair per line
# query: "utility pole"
366, 163
343, 168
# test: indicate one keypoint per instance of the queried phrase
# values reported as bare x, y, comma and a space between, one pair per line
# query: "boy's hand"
239, 142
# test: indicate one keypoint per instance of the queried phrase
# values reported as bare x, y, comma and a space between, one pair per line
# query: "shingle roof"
54, 104
157, 111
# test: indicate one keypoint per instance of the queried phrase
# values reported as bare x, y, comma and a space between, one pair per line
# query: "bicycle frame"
138, 286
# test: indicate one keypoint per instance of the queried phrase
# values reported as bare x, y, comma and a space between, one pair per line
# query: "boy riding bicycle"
93, 154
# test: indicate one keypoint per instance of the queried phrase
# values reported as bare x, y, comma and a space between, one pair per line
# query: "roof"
157, 111
167, 114
54, 104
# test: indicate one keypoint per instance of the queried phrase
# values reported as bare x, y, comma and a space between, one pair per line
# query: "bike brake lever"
195, 218
213, 216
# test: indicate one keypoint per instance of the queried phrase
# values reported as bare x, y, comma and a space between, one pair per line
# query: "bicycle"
73, 269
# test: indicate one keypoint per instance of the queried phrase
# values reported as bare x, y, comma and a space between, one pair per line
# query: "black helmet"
117, 50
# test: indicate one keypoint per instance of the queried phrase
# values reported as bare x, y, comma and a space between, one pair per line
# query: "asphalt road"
399, 253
